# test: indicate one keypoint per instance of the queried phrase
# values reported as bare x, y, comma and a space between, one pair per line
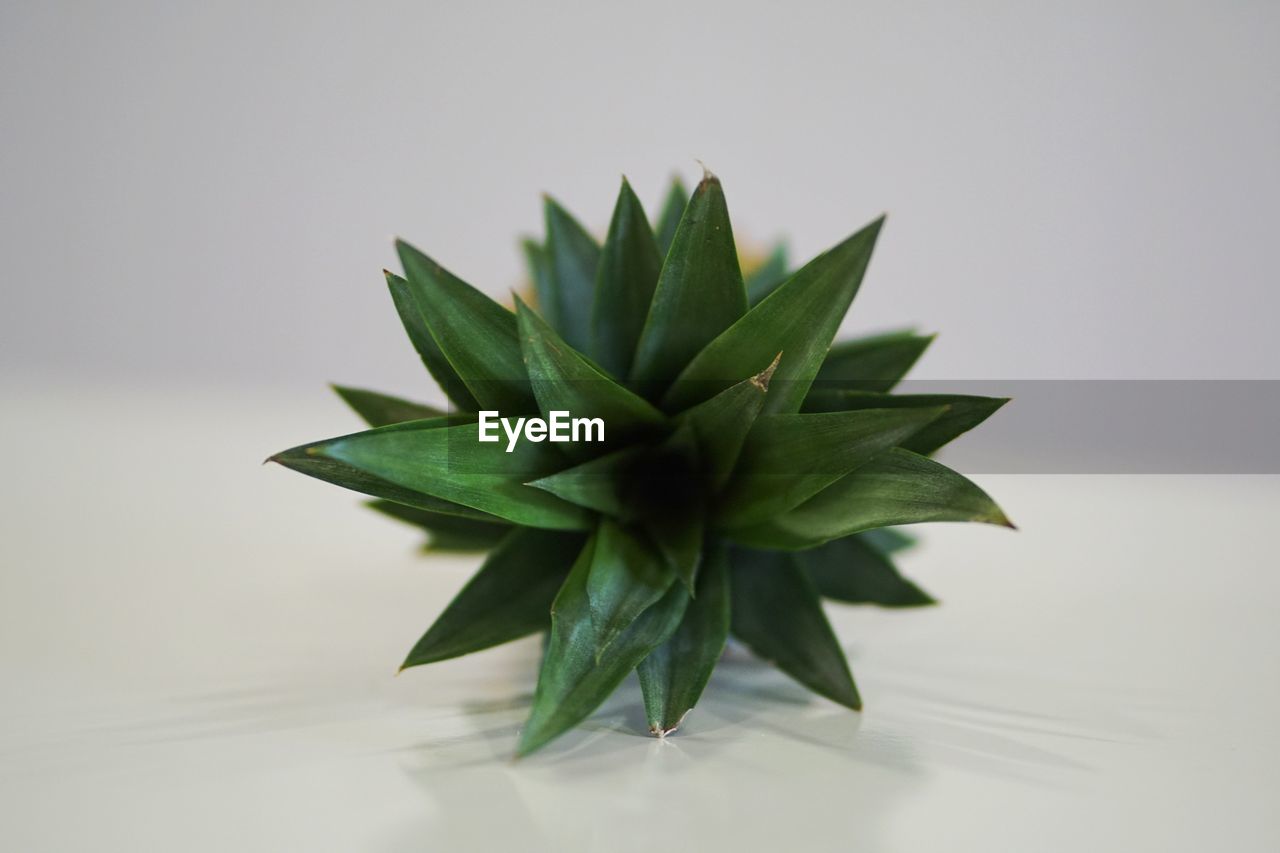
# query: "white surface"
198, 654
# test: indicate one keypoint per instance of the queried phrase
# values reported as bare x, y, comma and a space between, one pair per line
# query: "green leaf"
572, 682
509, 598
341, 474
627, 576
790, 458
445, 532
776, 612
887, 540
671, 503
852, 571
964, 412
628, 274
873, 363
477, 335
700, 291
673, 206
595, 484
415, 326
572, 257
674, 674
653, 486
451, 463
535, 258
765, 278
564, 380
799, 319
679, 540
721, 424
899, 487
348, 477
382, 409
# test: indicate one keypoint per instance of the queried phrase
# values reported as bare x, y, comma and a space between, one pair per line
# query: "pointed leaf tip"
378, 409
788, 459
573, 257
899, 487
853, 570
800, 317
872, 363
761, 379
563, 379
571, 683
410, 307
508, 598
699, 293
626, 275
661, 732
626, 577
776, 612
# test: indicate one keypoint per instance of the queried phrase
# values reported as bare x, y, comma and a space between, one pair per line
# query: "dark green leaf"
573, 257
628, 274
653, 486
899, 487
572, 682
627, 577
595, 484
721, 424
415, 326
777, 613
873, 363
477, 335
790, 458
673, 206
341, 474
446, 532
964, 412
679, 540
382, 409
672, 503
700, 291
509, 598
799, 319
765, 278
451, 463
563, 380
674, 674
539, 265
887, 539
852, 571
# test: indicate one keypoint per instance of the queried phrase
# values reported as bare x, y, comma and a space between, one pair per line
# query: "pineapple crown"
750, 467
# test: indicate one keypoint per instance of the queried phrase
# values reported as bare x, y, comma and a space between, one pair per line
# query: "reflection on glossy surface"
211, 669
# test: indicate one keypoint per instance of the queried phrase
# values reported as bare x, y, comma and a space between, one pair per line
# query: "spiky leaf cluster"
750, 467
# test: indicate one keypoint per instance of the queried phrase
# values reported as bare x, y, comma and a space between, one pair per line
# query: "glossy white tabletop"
198, 654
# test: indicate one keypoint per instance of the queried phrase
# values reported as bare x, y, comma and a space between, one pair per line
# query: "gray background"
205, 193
